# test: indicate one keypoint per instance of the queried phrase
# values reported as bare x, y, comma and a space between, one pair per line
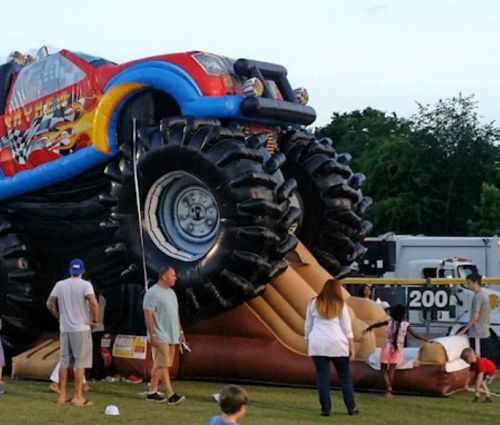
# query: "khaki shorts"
163, 355
76, 350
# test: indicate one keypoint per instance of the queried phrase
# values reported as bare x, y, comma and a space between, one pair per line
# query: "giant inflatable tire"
214, 206
331, 200
20, 302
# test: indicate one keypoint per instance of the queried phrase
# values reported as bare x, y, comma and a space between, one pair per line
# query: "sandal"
54, 388
86, 403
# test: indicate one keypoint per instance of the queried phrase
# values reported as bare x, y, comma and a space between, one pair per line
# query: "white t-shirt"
327, 337
73, 306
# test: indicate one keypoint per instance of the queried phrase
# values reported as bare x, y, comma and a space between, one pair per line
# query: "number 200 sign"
429, 298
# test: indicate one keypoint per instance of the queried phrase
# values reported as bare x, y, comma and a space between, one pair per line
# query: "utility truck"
407, 257
439, 308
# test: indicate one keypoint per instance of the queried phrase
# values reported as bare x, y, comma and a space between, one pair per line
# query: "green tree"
398, 181
358, 132
464, 155
486, 217
382, 148
424, 174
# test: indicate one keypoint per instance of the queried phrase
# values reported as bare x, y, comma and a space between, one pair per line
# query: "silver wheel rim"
182, 216
296, 201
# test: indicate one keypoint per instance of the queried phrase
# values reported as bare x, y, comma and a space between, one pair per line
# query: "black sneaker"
176, 399
156, 397
353, 412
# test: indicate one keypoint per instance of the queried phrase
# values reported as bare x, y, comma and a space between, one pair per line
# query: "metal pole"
428, 314
138, 199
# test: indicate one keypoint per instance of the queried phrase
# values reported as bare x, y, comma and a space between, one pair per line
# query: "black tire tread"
332, 225
19, 298
258, 225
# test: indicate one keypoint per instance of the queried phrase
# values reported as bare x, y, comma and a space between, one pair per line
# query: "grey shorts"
76, 349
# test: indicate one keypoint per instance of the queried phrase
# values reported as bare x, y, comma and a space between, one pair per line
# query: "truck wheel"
20, 304
332, 203
213, 205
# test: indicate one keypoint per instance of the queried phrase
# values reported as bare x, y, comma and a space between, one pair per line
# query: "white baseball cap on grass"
112, 410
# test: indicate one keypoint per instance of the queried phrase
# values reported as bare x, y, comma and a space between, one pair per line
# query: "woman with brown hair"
329, 335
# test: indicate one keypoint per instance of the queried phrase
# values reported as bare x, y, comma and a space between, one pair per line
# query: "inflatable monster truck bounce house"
192, 160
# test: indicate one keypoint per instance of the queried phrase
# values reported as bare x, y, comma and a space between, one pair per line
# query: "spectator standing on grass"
329, 335
394, 340
161, 313
484, 371
233, 402
478, 326
69, 303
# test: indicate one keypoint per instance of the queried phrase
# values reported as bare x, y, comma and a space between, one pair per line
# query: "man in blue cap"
69, 303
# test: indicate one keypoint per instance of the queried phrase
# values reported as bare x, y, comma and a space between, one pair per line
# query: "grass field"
28, 402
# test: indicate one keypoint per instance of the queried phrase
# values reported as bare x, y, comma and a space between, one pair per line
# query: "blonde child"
484, 370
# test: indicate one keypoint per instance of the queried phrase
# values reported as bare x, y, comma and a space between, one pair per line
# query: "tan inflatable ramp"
38, 362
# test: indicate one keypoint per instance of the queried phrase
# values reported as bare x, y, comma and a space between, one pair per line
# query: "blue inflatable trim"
163, 76
51, 172
174, 81
113, 123
61, 169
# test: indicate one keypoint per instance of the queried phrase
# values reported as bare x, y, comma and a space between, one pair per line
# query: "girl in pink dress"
392, 350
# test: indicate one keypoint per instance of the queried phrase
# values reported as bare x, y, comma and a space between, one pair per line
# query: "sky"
349, 54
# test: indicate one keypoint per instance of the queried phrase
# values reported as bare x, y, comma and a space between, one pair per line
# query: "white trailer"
417, 257
394, 255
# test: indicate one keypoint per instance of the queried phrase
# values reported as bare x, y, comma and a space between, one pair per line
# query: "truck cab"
422, 257
456, 267
450, 268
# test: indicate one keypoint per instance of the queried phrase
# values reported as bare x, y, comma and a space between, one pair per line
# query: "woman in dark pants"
329, 335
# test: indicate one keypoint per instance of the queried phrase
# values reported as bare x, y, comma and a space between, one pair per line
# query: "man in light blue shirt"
161, 312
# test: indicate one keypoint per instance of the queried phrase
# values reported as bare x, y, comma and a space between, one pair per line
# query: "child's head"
468, 355
365, 291
398, 312
233, 400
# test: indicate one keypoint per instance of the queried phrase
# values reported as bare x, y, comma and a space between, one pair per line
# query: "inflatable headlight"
211, 64
302, 95
253, 87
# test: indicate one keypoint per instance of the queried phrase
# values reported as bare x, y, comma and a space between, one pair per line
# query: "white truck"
405, 256
415, 257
